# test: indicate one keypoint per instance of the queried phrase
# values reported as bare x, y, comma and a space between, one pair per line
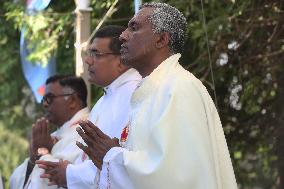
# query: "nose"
88, 60
123, 36
44, 104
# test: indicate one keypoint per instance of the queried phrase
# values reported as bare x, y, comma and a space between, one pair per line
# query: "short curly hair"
166, 18
113, 32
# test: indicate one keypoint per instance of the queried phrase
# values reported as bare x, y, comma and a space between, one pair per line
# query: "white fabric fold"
65, 149
111, 115
175, 137
18, 176
82, 175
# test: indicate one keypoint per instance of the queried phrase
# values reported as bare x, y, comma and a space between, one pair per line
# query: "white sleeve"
83, 175
17, 179
70, 153
114, 163
35, 180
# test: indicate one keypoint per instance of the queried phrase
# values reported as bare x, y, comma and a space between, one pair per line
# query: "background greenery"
246, 42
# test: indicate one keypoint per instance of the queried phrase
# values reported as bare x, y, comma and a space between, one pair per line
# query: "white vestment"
1, 183
65, 149
111, 115
175, 137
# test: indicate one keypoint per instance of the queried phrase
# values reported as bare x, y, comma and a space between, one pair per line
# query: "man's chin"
92, 78
49, 118
92, 81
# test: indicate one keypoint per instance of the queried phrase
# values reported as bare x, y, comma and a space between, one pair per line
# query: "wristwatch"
42, 151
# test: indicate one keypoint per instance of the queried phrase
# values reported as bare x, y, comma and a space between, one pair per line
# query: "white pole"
83, 31
137, 3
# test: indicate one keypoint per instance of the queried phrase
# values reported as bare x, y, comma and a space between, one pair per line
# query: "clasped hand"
40, 137
98, 143
54, 171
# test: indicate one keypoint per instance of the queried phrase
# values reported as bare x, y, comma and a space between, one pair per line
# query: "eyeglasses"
98, 55
48, 98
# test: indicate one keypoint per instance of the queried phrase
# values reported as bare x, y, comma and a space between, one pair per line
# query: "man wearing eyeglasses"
110, 113
64, 104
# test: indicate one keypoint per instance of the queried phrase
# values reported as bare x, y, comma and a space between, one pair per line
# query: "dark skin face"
103, 68
143, 49
58, 111
61, 109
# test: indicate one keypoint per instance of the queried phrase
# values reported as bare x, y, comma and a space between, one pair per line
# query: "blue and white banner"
37, 5
34, 72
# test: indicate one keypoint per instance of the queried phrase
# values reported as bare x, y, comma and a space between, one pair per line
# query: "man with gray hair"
174, 138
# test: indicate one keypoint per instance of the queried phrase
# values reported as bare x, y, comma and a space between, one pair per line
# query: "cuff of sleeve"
112, 153
47, 157
83, 173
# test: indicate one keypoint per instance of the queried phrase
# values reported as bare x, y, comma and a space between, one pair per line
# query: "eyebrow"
93, 49
49, 94
133, 23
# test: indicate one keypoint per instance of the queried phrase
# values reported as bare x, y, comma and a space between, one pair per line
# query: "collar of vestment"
81, 114
152, 81
129, 75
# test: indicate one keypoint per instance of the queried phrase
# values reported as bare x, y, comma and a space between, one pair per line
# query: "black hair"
74, 82
113, 32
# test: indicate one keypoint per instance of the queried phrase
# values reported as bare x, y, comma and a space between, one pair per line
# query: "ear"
73, 101
163, 40
122, 67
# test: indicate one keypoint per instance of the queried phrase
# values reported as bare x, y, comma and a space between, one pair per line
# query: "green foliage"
12, 152
42, 30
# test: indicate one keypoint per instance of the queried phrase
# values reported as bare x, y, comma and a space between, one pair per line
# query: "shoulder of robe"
182, 81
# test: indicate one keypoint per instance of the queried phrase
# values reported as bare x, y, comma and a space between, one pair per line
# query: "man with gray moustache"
174, 138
